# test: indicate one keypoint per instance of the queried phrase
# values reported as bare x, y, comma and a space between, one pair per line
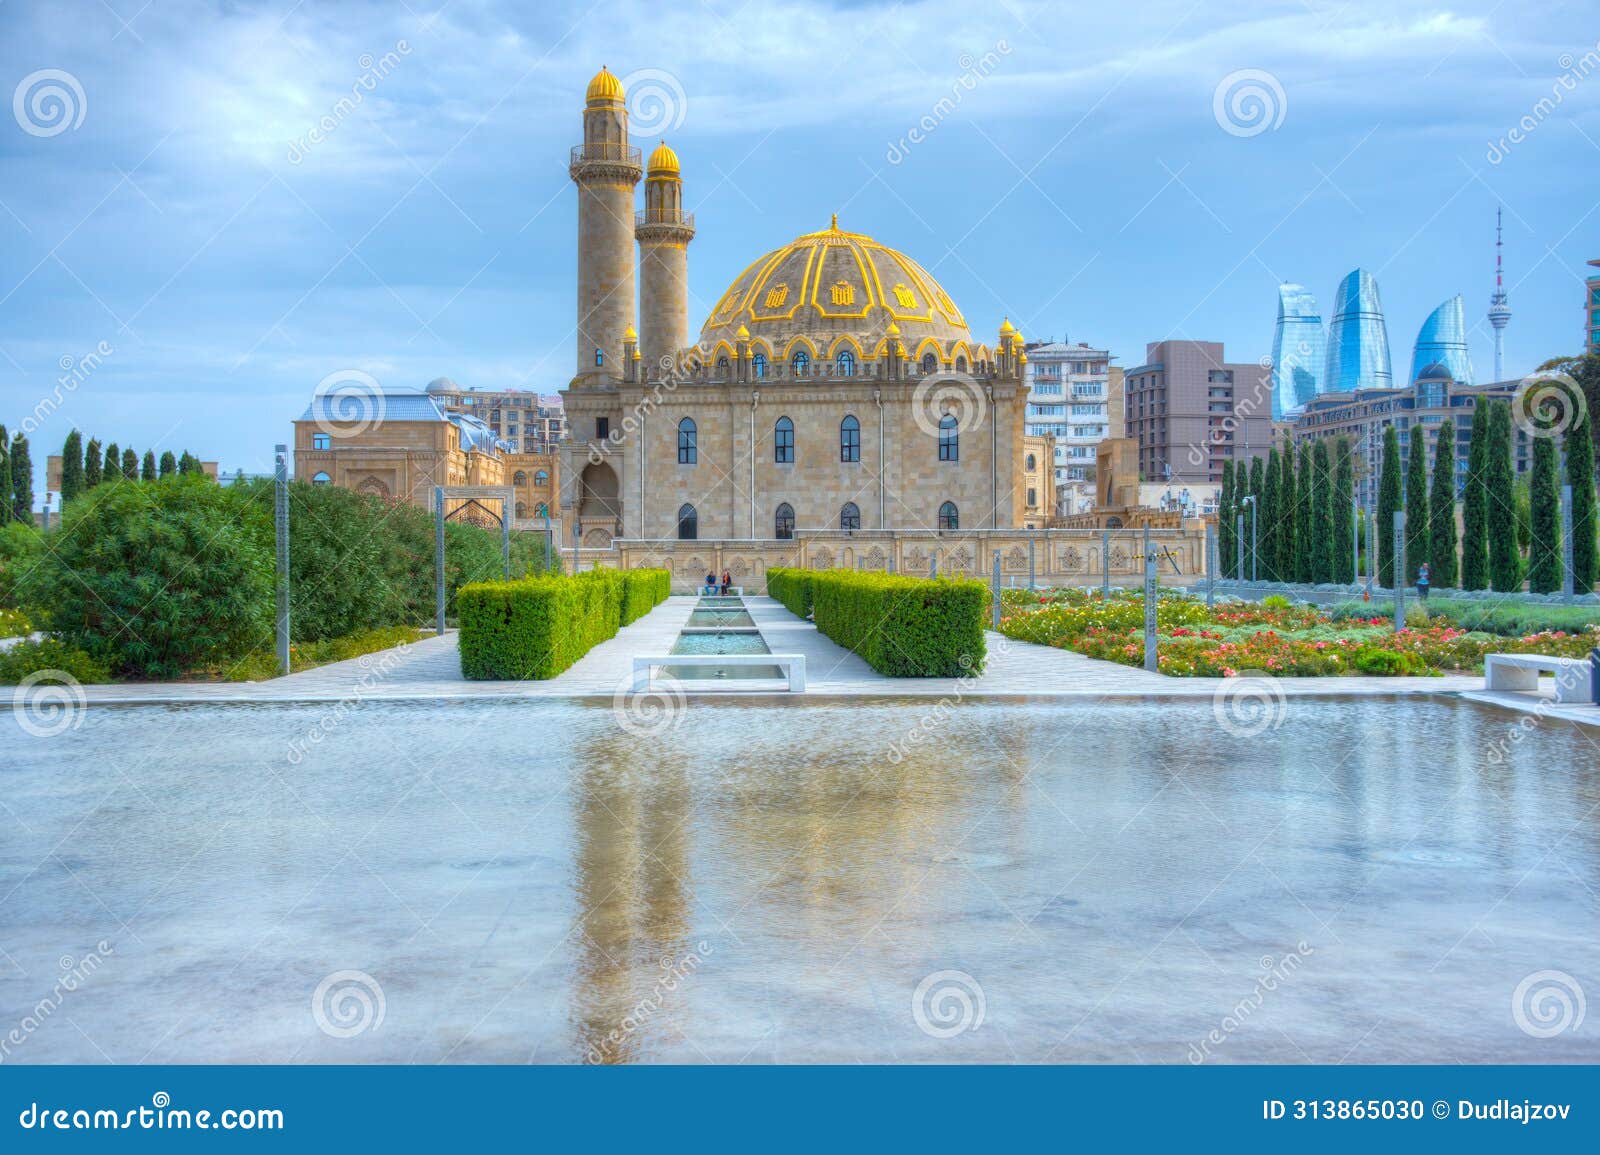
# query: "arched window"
850, 516
961, 364
688, 444
929, 362
522, 509
688, 523
1033, 463
758, 365
849, 439
783, 523
948, 517
783, 441
722, 366
800, 363
321, 479
519, 478
541, 510
845, 363
541, 478
599, 357
949, 438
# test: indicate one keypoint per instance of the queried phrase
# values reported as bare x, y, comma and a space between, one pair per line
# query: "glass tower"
1358, 340
1442, 340
1299, 350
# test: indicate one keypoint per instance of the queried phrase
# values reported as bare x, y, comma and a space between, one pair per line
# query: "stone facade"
606, 169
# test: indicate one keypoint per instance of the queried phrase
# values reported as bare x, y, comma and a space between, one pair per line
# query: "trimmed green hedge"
792, 587
904, 627
537, 627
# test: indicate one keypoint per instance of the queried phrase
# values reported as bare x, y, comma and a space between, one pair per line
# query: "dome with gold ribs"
604, 89
663, 161
833, 291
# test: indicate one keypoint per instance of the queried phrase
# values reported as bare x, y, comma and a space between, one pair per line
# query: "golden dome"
1007, 328
663, 161
629, 334
830, 290
604, 89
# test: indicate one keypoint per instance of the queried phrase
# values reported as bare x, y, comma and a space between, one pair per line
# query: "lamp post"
1250, 500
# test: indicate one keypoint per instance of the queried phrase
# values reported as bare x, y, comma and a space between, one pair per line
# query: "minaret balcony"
606, 158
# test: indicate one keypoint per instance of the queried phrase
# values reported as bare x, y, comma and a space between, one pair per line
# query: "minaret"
1499, 311
605, 170
664, 231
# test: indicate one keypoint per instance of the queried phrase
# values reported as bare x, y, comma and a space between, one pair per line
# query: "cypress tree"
1474, 511
1304, 531
1388, 505
1288, 501
1225, 503
92, 464
1580, 475
1344, 500
1252, 519
1442, 509
112, 469
1269, 517
1505, 564
1544, 550
147, 471
188, 463
169, 464
1321, 514
1417, 527
71, 467
5, 477
21, 481
130, 465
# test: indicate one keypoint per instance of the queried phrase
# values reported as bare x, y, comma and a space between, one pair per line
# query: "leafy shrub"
1275, 602
14, 624
156, 579
1388, 663
642, 591
25, 658
1507, 619
20, 548
262, 665
537, 627
792, 588
903, 627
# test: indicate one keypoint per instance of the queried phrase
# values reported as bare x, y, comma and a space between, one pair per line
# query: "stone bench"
1520, 672
733, 591
792, 665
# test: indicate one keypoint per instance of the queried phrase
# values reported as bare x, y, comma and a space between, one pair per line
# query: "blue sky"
1084, 184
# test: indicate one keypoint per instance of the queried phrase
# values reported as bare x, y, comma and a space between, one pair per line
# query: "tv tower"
1499, 311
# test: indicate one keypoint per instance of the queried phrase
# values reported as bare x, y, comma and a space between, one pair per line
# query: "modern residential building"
1299, 350
1419, 409
1358, 338
527, 422
1070, 398
1591, 311
1442, 340
1190, 410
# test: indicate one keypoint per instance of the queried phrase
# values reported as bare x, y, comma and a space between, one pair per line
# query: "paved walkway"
430, 670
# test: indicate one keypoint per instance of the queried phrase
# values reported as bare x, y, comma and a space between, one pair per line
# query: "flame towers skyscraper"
1358, 338
1299, 350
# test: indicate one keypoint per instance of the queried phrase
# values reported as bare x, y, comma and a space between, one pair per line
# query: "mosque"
834, 388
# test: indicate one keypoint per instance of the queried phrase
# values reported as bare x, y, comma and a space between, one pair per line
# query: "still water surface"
531, 882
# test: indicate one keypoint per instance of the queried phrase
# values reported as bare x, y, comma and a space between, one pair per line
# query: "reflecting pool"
535, 881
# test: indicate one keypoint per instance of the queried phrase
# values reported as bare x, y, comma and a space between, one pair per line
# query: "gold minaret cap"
835, 225
1022, 358
636, 354
605, 88
1006, 328
893, 330
663, 161
743, 334
629, 334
